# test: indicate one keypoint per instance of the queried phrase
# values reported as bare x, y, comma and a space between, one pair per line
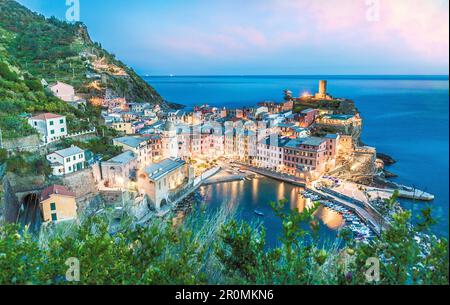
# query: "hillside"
33, 48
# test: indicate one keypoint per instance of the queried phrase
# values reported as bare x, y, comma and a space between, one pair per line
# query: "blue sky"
204, 37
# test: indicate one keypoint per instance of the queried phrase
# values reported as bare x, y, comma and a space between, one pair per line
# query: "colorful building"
57, 203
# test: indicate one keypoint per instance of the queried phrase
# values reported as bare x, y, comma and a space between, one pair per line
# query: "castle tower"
323, 88
322, 94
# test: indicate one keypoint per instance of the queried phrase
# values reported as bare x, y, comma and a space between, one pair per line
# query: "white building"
169, 141
67, 161
270, 152
51, 127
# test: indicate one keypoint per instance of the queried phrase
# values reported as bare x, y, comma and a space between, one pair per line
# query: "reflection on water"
248, 196
330, 218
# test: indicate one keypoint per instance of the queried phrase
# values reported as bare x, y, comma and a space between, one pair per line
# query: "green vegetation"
33, 48
212, 251
337, 106
25, 164
99, 146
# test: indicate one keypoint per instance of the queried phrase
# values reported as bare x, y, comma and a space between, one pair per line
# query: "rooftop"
123, 158
308, 110
55, 190
46, 116
130, 141
163, 168
343, 117
73, 150
311, 141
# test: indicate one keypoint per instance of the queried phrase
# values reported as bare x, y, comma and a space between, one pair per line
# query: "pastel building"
51, 127
57, 203
119, 171
270, 153
63, 91
124, 127
305, 157
67, 161
66, 93
139, 146
160, 180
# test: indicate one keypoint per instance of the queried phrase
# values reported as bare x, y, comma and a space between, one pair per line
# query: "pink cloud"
417, 28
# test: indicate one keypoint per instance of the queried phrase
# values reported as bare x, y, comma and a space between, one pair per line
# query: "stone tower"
323, 88
169, 141
322, 94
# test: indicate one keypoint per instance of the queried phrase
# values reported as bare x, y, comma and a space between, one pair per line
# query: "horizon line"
309, 75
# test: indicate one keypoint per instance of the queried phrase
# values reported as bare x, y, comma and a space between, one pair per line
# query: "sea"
406, 117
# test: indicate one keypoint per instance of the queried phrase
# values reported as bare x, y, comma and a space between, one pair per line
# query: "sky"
267, 37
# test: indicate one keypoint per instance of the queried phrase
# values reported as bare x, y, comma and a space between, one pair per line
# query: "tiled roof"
46, 116
56, 189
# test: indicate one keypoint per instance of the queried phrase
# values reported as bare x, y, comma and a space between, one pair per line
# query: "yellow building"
58, 203
125, 127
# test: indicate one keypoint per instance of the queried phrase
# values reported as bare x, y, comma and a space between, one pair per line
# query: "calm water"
406, 117
247, 196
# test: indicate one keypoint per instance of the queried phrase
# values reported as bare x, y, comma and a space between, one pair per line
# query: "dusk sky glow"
203, 37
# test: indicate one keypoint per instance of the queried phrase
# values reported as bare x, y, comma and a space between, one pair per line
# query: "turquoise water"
406, 117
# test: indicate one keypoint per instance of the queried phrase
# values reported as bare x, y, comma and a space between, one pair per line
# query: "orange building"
58, 203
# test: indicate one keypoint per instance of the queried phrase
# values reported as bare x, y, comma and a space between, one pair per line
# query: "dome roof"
168, 126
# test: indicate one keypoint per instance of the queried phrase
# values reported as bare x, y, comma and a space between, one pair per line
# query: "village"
168, 154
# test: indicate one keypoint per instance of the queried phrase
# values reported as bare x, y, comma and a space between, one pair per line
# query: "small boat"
259, 213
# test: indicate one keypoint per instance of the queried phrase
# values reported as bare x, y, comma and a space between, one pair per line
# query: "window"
35, 123
53, 206
67, 159
61, 121
52, 123
52, 132
54, 217
62, 130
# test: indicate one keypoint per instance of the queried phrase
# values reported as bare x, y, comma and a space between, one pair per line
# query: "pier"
366, 213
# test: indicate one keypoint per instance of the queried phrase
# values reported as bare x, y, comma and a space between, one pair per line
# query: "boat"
259, 213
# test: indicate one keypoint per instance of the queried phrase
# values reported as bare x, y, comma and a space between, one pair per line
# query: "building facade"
57, 203
160, 180
51, 127
67, 161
